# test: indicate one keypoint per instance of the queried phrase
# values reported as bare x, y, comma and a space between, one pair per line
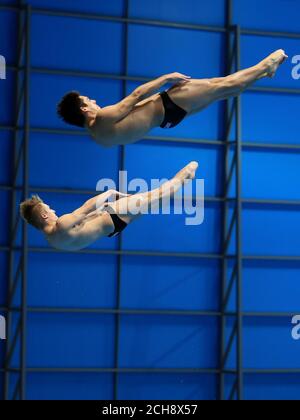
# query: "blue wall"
89, 281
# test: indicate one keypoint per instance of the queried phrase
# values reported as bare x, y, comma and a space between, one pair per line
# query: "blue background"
90, 281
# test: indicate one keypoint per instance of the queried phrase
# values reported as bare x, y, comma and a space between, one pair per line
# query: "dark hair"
30, 211
69, 109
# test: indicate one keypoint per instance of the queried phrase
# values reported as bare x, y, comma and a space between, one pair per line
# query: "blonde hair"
30, 211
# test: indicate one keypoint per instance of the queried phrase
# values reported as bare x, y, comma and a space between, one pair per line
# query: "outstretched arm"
88, 210
119, 111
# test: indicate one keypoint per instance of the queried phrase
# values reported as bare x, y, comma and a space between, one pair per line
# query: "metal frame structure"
232, 222
17, 309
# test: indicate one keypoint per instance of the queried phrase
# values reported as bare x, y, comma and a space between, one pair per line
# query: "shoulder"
103, 131
61, 222
61, 238
55, 235
64, 225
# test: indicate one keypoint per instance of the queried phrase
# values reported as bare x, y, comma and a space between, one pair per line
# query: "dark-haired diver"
131, 119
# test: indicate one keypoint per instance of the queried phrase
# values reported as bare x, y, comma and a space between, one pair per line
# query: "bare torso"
148, 114
81, 235
144, 117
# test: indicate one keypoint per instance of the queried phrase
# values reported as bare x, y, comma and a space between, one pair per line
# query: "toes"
194, 165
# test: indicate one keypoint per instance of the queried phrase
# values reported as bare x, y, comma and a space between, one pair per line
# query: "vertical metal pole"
239, 224
25, 195
229, 7
120, 240
13, 221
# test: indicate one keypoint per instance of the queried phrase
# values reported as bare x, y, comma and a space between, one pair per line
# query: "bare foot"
274, 61
188, 172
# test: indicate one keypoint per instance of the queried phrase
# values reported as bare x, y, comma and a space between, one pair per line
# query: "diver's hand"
177, 78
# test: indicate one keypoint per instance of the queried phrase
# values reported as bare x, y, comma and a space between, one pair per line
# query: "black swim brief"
119, 224
173, 113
